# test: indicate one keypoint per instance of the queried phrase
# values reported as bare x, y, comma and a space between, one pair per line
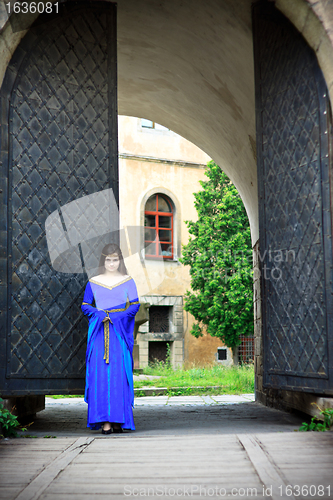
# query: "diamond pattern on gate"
295, 316
59, 134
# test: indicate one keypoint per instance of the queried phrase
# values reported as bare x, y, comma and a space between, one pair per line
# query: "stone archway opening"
191, 69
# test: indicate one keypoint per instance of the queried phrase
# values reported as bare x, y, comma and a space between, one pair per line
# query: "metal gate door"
294, 166
58, 144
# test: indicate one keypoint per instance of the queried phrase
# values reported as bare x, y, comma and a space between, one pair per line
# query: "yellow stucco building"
158, 173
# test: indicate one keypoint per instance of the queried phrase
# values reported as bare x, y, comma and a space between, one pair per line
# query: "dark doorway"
158, 351
159, 319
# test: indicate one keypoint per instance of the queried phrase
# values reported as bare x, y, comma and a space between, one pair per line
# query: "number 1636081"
32, 7
305, 490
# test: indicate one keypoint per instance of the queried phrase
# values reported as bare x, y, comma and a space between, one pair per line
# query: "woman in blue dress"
111, 303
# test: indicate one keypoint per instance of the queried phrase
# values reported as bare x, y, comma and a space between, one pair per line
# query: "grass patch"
60, 396
230, 380
213, 380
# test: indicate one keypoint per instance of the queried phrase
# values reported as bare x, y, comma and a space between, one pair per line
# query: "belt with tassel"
106, 340
107, 331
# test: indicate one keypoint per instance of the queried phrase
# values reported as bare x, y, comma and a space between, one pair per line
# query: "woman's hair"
109, 249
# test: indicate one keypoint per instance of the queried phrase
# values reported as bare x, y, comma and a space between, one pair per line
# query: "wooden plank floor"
21, 460
303, 459
207, 466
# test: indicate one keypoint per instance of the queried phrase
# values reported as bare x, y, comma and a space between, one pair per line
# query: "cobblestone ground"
163, 415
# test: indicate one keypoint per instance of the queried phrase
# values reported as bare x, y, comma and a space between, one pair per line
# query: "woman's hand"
105, 319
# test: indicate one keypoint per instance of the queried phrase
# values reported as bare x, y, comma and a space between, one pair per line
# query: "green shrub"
317, 424
8, 422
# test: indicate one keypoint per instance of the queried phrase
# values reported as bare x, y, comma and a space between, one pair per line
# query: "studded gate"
294, 168
58, 144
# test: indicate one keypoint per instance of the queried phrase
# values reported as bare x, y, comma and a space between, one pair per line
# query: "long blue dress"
109, 362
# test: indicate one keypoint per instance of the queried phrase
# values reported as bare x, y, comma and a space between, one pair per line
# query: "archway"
191, 69
169, 54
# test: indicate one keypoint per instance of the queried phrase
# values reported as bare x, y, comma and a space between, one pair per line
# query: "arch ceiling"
191, 69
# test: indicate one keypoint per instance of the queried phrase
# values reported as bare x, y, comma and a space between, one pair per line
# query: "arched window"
159, 227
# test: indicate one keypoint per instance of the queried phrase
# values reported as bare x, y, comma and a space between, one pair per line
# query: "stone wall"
258, 348
175, 336
25, 406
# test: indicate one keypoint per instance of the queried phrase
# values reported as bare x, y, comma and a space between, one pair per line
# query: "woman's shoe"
117, 430
107, 432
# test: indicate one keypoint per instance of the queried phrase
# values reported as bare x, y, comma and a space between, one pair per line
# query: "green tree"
220, 258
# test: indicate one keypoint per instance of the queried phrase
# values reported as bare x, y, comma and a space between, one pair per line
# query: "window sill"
159, 259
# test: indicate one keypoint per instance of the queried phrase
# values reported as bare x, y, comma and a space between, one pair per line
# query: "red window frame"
156, 213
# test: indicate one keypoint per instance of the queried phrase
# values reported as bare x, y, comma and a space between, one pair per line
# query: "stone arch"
191, 70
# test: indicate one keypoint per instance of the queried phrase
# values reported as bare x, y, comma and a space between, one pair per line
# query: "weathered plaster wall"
201, 351
153, 143
162, 161
138, 177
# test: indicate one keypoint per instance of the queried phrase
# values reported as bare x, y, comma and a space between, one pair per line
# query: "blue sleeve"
132, 292
130, 312
87, 306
